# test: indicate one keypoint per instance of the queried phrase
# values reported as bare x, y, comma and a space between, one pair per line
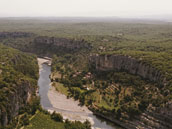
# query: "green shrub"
57, 117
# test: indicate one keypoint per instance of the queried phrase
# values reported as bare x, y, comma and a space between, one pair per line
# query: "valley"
118, 71
52, 100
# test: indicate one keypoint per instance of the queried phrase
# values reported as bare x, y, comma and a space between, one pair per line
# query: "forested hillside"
18, 82
121, 70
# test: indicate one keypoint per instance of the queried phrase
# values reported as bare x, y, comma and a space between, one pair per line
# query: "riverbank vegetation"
17, 80
45, 120
19, 105
117, 94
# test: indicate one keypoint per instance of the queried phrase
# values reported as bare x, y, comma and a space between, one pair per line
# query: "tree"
57, 117
87, 124
25, 119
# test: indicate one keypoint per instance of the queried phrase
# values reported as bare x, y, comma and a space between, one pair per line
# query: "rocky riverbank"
69, 108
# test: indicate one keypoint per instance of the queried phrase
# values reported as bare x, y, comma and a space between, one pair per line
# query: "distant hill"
164, 18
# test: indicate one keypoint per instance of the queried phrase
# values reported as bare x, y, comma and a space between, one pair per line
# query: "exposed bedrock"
62, 43
161, 117
15, 100
127, 64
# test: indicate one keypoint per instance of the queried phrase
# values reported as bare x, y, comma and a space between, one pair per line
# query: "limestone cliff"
127, 64
15, 101
152, 118
18, 82
62, 43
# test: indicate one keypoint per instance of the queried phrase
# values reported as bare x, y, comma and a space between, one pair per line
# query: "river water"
51, 100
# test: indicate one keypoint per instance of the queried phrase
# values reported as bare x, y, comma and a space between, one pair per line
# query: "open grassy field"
43, 121
60, 88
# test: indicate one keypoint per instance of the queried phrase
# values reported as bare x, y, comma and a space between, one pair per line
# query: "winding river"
51, 100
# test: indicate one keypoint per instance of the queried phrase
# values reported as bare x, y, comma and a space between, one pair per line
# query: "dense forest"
18, 100
117, 94
18, 83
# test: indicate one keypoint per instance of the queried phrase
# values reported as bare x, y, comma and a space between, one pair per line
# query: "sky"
85, 8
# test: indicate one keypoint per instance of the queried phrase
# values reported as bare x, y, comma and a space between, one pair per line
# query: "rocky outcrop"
127, 64
62, 43
18, 83
15, 100
15, 34
156, 118
147, 120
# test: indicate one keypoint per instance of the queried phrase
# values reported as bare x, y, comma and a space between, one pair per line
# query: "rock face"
14, 34
18, 82
127, 64
159, 118
62, 43
15, 100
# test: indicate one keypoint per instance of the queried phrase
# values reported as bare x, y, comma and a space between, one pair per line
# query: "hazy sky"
122, 8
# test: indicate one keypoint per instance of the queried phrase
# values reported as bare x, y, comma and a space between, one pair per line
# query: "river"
51, 100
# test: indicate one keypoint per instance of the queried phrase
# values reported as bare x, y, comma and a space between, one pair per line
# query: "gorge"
51, 100
119, 71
